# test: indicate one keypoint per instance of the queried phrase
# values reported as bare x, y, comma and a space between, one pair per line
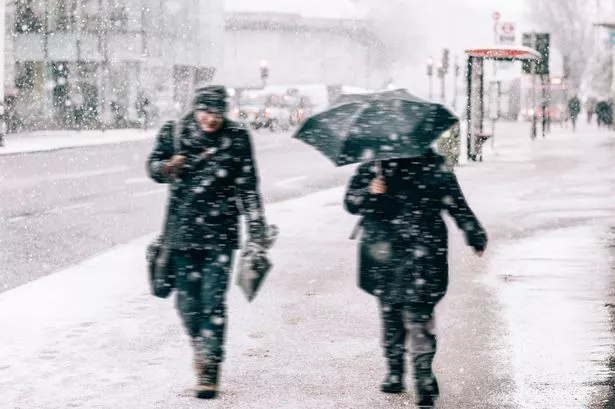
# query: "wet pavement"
58, 208
554, 274
529, 326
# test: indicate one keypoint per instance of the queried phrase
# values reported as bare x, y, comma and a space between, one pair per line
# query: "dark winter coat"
403, 254
574, 106
604, 111
218, 183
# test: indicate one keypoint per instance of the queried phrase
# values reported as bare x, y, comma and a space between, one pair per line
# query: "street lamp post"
2, 56
456, 79
442, 77
264, 72
430, 75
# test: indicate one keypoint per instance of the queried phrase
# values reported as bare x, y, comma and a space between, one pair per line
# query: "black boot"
427, 393
394, 381
207, 372
207, 387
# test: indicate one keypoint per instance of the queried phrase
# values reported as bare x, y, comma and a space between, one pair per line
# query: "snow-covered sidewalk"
92, 337
43, 141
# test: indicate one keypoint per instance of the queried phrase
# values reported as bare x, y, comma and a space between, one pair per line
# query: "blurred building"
92, 62
301, 43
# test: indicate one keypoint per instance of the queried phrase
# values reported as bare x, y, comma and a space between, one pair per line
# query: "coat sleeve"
359, 201
248, 188
455, 203
163, 150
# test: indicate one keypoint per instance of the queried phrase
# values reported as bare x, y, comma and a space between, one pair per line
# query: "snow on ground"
54, 140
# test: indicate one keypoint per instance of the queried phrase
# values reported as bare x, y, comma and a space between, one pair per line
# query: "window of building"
28, 17
28, 75
62, 15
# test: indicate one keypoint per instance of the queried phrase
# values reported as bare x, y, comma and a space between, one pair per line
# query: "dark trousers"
201, 283
416, 322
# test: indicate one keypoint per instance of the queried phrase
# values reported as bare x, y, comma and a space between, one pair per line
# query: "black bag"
254, 264
158, 252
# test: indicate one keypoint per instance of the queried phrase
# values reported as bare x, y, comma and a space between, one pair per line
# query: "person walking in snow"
403, 256
574, 109
214, 179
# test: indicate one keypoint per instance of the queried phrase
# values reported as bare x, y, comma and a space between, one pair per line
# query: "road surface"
58, 208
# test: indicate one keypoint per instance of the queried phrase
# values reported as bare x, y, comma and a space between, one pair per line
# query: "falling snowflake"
194, 276
207, 333
420, 252
469, 226
448, 200
223, 258
368, 154
217, 320
221, 173
380, 251
355, 199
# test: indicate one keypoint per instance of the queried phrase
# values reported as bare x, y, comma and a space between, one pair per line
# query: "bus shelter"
475, 134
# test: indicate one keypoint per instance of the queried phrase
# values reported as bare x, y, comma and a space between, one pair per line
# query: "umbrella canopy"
382, 95
376, 126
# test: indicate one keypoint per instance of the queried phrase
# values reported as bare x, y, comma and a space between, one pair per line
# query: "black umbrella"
376, 126
382, 95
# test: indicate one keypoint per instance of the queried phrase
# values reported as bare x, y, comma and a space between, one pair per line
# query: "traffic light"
543, 44
527, 42
445, 60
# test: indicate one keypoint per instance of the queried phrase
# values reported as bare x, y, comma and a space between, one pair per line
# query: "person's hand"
377, 186
480, 252
175, 163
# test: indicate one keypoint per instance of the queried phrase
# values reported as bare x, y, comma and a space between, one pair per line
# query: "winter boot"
197, 360
394, 381
427, 394
207, 387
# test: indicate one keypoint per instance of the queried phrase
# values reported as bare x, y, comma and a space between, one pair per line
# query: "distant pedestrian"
574, 109
604, 114
404, 256
214, 179
590, 108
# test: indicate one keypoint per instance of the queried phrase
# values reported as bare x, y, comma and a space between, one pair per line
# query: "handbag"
158, 252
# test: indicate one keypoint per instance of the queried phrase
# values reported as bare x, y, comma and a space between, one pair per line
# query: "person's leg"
214, 286
394, 345
421, 328
215, 271
188, 287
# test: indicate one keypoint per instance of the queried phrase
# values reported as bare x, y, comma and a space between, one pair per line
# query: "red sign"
508, 28
496, 16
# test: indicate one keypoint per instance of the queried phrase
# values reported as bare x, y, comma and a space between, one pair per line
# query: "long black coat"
218, 183
403, 254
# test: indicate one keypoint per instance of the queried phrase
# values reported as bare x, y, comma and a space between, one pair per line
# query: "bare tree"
570, 25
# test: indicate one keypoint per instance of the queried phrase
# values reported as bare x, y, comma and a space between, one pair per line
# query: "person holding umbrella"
400, 191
